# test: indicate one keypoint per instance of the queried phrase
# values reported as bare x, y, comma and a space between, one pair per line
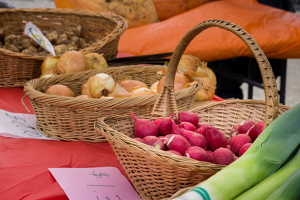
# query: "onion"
129, 85
85, 88
119, 92
188, 63
207, 92
60, 90
142, 92
72, 61
84, 97
49, 67
101, 85
154, 87
181, 81
96, 61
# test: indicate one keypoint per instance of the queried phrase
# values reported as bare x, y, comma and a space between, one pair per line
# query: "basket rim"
121, 26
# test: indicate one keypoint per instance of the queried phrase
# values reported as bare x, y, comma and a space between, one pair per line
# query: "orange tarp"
276, 31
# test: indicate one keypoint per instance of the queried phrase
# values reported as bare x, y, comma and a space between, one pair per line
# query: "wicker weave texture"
158, 174
16, 68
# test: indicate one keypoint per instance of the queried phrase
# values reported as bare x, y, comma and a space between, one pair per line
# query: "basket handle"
166, 101
22, 100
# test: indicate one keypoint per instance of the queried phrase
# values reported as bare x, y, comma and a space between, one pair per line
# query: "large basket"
158, 174
72, 119
16, 68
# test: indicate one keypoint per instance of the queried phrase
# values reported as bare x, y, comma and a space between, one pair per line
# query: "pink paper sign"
100, 183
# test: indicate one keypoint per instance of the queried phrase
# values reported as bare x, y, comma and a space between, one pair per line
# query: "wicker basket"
72, 119
158, 174
16, 68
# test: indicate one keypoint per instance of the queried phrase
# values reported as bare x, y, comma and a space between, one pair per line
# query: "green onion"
269, 151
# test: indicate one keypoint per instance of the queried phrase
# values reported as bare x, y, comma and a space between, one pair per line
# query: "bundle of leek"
269, 151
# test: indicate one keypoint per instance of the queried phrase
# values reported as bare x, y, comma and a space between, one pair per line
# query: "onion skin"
179, 83
101, 85
129, 85
72, 61
60, 90
142, 92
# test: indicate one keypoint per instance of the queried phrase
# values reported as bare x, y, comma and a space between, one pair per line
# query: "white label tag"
32, 31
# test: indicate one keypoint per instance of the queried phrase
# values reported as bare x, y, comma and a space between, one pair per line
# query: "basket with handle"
158, 174
17, 68
72, 119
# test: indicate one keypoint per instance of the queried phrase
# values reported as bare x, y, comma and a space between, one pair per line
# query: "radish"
235, 157
238, 142
195, 139
252, 132
175, 129
211, 156
201, 129
260, 131
165, 126
143, 127
178, 143
244, 148
223, 156
197, 153
245, 125
163, 139
174, 152
187, 126
260, 125
235, 130
140, 140
230, 140
154, 141
157, 121
228, 147
188, 116
215, 138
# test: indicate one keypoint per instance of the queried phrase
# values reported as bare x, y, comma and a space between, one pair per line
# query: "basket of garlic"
67, 105
66, 29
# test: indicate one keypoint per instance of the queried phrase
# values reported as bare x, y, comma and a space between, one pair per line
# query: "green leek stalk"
289, 190
262, 190
269, 151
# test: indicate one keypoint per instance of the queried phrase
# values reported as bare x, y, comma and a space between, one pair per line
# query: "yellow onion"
119, 92
154, 86
211, 75
129, 85
181, 82
72, 61
60, 90
142, 92
101, 85
85, 88
96, 61
207, 92
49, 67
188, 63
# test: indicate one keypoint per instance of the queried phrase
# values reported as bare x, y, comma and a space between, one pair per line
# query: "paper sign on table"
97, 183
19, 125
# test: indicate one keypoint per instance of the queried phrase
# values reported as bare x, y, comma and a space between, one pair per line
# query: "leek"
269, 151
262, 190
289, 190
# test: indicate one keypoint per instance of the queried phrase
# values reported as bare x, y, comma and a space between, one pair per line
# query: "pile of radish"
196, 140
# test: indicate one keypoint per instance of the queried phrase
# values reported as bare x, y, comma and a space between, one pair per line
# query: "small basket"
158, 174
16, 68
72, 119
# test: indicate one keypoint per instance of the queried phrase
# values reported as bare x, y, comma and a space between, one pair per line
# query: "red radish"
188, 116
165, 127
187, 126
197, 153
245, 125
174, 152
195, 139
223, 156
230, 140
252, 132
175, 129
260, 131
238, 142
211, 156
201, 129
178, 143
143, 127
154, 141
215, 138
157, 121
260, 125
244, 148
235, 130
235, 157
163, 139
228, 147
140, 140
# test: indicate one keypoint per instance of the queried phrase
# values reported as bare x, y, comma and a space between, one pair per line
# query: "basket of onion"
172, 150
66, 29
67, 105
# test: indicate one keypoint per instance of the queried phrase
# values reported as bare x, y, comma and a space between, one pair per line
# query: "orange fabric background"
276, 31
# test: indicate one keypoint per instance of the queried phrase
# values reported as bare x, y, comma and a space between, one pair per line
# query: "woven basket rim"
121, 25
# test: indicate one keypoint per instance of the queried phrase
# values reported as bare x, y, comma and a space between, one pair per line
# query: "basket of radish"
172, 149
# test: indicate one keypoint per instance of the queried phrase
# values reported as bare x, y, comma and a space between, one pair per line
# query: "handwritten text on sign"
99, 183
